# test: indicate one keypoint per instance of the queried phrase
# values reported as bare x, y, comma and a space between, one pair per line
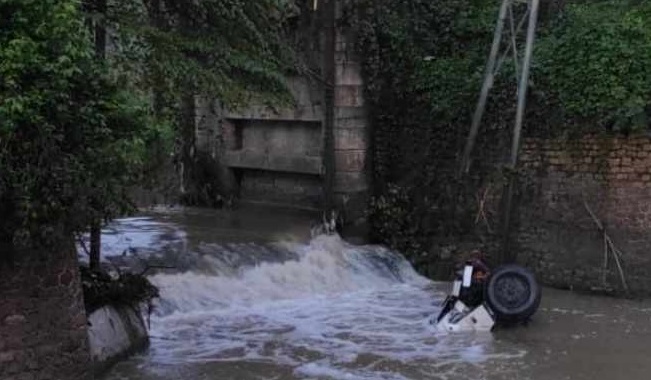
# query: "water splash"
323, 310
327, 266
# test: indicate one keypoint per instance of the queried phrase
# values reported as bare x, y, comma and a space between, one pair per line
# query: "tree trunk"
155, 18
43, 324
188, 148
100, 7
95, 246
100, 29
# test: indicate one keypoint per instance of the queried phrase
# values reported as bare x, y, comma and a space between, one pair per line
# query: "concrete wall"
113, 333
42, 318
273, 155
276, 155
558, 238
281, 188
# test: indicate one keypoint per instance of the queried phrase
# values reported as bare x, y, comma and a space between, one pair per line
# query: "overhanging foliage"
69, 137
424, 65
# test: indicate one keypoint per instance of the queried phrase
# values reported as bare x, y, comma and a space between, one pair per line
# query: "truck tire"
512, 293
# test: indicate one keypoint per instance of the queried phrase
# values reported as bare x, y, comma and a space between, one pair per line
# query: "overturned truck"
482, 298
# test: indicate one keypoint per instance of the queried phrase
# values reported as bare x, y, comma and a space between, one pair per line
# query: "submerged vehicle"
482, 298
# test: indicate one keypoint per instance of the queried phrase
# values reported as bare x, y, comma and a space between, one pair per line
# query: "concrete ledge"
279, 163
113, 334
301, 113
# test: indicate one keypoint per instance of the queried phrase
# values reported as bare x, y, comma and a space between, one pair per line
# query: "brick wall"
42, 319
558, 238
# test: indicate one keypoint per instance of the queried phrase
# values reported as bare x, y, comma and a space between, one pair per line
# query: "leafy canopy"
424, 62
231, 50
70, 139
597, 62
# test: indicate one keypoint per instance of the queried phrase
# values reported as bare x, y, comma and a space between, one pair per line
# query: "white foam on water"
325, 370
336, 311
327, 266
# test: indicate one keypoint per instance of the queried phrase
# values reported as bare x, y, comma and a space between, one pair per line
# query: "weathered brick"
616, 175
39, 313
555, 161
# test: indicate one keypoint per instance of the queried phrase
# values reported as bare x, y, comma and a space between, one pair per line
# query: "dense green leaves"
597, 61
424, 62
76, 132
231, 50
70, 140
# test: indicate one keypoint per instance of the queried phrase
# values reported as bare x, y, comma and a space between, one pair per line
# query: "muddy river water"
252, 296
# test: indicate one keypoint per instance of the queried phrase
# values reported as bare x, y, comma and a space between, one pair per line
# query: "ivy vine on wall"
423, 66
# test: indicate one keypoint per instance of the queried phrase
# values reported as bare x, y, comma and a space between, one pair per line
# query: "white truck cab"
480, 298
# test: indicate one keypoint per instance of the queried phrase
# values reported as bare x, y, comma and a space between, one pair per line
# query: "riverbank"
114, 334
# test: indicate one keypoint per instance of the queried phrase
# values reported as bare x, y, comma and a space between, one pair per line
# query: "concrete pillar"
351, 131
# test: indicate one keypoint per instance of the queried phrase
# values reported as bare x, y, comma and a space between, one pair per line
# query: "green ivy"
231, 50
424, 63
71, 140
597, 61
235, 51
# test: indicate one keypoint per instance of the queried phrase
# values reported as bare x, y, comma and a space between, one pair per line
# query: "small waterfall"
247, 309
243, 274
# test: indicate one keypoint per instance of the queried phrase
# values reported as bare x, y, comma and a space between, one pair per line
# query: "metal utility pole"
489, 77
517, 130
506, 15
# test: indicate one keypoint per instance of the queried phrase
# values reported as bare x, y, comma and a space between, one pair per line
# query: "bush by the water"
101, 289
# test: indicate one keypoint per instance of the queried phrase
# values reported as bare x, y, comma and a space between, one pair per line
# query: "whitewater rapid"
240, 304
324, 309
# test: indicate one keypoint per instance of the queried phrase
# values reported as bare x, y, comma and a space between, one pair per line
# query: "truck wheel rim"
512, 291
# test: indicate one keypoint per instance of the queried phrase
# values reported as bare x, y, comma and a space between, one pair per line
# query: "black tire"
512, 293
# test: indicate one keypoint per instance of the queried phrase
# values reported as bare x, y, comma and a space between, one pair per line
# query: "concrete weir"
115, 332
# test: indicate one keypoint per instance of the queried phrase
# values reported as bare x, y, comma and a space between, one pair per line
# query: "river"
252, 296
